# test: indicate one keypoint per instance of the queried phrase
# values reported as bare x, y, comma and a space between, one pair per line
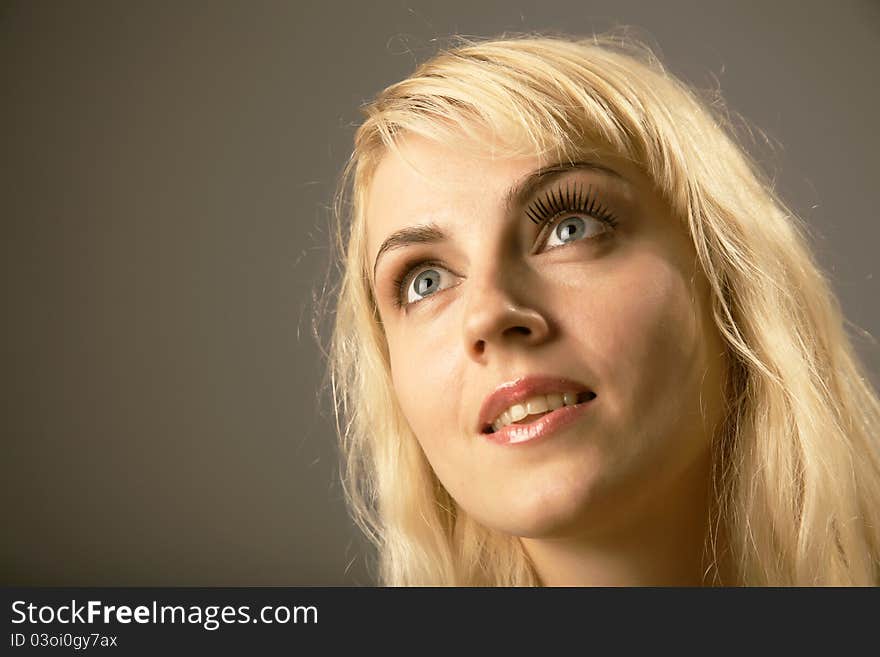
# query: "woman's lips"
519, 391
540, 427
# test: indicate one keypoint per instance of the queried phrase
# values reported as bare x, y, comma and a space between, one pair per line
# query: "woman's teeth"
536, 405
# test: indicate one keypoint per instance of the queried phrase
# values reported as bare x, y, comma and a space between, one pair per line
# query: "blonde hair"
797, 468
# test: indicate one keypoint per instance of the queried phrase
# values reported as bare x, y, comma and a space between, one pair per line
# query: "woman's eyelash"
571, 198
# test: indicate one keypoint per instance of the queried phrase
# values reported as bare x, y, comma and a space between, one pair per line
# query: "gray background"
164, 176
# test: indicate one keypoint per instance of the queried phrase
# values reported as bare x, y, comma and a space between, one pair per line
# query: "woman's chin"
551, 514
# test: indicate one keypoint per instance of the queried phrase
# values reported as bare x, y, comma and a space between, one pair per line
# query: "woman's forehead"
424, 179
447, 167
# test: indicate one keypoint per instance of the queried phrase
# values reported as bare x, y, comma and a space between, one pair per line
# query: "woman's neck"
663, 542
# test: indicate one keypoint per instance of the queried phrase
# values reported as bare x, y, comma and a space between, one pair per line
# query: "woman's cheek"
423, 369
644, 340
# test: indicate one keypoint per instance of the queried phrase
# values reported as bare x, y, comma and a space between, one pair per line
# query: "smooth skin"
622, 496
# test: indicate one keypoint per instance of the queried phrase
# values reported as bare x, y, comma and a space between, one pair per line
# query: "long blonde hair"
797, 465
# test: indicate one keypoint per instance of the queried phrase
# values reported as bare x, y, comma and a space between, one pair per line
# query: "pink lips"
516, 392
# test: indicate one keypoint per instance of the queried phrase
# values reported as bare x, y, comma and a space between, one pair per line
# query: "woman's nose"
501, 316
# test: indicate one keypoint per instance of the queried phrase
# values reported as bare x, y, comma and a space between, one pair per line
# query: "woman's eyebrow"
429, 233
517, 195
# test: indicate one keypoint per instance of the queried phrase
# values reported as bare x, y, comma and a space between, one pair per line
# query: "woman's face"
569, 294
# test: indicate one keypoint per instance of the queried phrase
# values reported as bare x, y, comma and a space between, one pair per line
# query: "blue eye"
574, 228
570, 214
426, 282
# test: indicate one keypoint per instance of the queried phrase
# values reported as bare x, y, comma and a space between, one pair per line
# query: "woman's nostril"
505, 324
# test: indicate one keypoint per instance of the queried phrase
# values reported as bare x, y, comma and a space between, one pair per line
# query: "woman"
578, 340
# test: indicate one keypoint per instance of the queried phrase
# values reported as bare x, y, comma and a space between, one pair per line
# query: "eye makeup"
571, 198
406, 277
